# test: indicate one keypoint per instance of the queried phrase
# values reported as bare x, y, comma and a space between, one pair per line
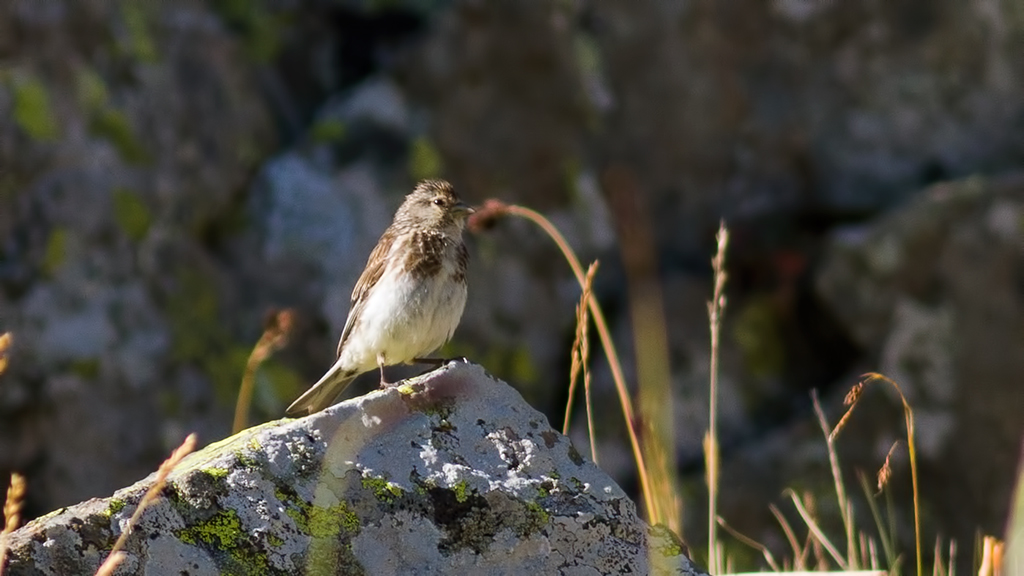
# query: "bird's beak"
463, 208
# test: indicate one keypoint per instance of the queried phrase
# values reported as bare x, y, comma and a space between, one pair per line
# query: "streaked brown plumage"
409, 298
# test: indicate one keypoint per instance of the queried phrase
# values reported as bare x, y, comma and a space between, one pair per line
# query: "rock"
449, 471
932, 293
132, 130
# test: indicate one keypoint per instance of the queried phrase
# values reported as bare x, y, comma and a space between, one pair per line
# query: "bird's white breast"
405, 317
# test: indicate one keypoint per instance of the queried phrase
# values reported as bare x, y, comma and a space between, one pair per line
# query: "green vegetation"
56, 249
112, 125
328, 131
33, 112
223, 532
140, 40
131, 214
382, 489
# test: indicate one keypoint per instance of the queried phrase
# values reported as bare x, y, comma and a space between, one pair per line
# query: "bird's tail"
324, 392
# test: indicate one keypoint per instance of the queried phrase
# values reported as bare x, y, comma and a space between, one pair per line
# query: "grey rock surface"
448, 472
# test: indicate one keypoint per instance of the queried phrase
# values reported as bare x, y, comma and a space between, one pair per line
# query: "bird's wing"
375, 266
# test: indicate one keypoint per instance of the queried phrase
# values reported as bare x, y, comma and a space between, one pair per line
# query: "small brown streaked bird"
409, 299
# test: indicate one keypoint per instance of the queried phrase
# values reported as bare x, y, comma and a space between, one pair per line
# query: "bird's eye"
438, 201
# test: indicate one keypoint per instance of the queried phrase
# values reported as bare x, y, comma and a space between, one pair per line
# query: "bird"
410, 297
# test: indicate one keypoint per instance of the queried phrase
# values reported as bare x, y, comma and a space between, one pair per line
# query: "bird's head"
434, 204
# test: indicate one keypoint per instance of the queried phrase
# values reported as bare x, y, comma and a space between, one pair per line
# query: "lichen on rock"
386, 483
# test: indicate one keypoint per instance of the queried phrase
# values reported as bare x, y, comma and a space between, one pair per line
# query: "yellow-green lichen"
86, 368
92, 90
329, 522
320, 522
327, 131
32, 110
664, 541
199, 335
113, 125
382, 489
223, 532
246, 459
55, 252
461, 490
260, 29
216, 473
140, 42
131, 214
114, 506
536, 517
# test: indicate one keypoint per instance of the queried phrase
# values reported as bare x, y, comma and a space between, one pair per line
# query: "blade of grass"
493, 209
816, 530
276, 329
799, 552
845, 508
908, 416
12, 513
646, 309
768, 558
711, 454
883, 534
5, 342
580, 360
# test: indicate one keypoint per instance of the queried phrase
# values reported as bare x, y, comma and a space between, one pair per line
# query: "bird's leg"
380, 364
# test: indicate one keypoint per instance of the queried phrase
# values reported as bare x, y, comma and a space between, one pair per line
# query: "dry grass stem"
151, 495
908, 416
12, 511
716, 307
5, 342
580, 360
885, 472
851, 400
888, 546
991, 557
276, 330
845, 507
799, 552
820, 539
768, 558
485, 217
111, 563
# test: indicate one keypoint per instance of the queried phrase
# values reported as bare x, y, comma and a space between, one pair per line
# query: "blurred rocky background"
172, 171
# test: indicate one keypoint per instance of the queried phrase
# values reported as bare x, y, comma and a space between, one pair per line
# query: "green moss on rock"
33, 112
223, 533
131, 214
461, 491
56, 249
114, 506
217, 473
113, 125
382, 489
